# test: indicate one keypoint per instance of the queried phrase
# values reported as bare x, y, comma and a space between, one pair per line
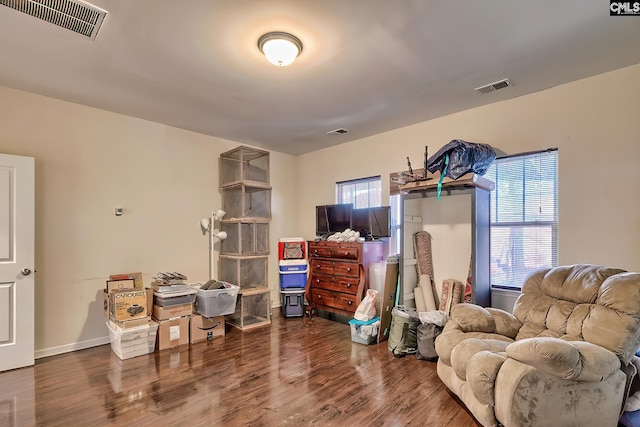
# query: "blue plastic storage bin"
295, 280
293, 274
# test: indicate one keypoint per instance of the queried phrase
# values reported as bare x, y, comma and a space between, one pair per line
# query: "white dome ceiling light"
280, 48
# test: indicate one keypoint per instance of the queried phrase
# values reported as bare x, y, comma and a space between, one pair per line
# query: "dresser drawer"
334, 300
329, 268
345, 251
320, 252
348, 285
321, 282
321, 267
346, 269
345, 285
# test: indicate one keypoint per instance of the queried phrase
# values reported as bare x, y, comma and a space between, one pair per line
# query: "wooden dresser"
338, 273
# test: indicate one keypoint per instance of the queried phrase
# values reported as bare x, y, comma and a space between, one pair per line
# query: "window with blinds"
524, 216
363, 193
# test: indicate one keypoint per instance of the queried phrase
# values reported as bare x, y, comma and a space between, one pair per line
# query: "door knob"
25, 272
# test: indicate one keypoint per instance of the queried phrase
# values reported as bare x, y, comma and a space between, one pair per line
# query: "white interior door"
16, 261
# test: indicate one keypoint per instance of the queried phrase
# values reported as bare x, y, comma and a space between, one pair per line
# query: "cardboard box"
388, 299
149, 292
169, 311
127, 304
173, 332
128, 324
105, 302
137, 278
114, 285
206, 328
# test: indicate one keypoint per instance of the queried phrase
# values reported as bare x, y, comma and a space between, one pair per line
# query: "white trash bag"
367, 308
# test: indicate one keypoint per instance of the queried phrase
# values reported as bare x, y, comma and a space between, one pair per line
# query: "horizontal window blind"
524, 216
363, 193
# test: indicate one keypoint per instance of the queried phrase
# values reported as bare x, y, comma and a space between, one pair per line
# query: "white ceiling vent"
337, 131
78, 16
500, 84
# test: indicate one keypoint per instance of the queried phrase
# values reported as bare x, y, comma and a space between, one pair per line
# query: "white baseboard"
67, 348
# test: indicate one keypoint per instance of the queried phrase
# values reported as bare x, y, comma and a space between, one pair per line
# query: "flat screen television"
333, 218
372, 223
322, 223
360, 222
339, 217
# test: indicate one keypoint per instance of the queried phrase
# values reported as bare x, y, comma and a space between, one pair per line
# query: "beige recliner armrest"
473, 318
569, 360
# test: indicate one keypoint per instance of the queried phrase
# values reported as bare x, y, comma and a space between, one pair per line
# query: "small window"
524, 216
396, 224
363, 193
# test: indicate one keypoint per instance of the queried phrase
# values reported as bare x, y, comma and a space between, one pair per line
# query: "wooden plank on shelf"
254, 291
431, 183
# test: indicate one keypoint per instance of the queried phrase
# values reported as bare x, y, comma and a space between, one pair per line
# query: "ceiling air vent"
500, 84
337, 131
78, 16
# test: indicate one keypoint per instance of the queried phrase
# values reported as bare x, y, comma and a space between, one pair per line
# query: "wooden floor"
295, 372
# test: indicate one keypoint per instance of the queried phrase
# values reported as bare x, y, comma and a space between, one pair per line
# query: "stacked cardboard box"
127, 306
206, 328
173, 308
173, 324
141, 320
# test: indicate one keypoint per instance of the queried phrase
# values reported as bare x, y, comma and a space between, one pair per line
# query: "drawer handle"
317, 265
348, 285
349, 269
347, 253
350, 302
319, 296
315, 251
317, 280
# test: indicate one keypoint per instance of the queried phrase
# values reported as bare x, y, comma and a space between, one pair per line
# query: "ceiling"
368, 66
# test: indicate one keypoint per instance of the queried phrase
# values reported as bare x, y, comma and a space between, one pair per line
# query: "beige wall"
88, 162
591, 121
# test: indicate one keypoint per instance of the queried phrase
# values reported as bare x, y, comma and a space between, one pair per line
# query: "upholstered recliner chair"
562, 359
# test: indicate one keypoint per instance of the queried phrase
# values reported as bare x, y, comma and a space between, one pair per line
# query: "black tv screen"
322, 223
372, 223
339, 217
333, 218
380, 218
360, 222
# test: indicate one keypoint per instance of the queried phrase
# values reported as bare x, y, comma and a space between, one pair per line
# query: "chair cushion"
463, 352
579, 360
482, 369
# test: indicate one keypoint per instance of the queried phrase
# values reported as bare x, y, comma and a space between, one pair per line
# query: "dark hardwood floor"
296, 372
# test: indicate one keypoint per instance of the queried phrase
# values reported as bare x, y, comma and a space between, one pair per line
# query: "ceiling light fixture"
280, 48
